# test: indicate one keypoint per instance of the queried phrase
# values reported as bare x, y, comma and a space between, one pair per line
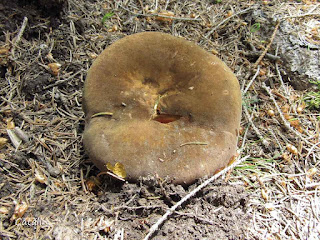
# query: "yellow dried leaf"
117, 169
109, 167
3, 142
164, 16
10, 123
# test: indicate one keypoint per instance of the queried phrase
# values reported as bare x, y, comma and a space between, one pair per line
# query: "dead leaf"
3, 142
55, 68
10, 123
285, 108
92, 183
19, 210
164, 16
292, 149
117, 169
39, 176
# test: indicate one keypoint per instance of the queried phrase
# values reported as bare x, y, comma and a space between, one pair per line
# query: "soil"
49, 183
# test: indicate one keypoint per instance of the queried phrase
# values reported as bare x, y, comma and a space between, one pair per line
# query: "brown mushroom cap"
176, 108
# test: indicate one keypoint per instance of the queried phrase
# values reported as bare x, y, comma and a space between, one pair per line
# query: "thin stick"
302, 15
311, 149
250, 83
258, 53
82, 181
62, 81
141, 4
244, 137
157, 225
268, 46
264, 141
279, 74
163, 16
18, 38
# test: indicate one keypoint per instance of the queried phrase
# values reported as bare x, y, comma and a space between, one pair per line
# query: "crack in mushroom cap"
175, 108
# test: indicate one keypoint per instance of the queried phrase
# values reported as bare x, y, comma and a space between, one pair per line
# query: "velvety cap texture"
173, 108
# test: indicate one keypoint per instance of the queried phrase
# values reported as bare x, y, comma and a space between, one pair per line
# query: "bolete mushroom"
161, 105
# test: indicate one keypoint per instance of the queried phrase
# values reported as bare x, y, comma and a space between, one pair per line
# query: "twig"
157, 225
160, 15
176, 18
141, 4
244, 137
16, 141
311, 149
258, 53
164, 193
18, 38
268, 46
264, 141
254, 77
62, 81
112, 175
279, 74
82, 181
53, 171
226, 20
302, 15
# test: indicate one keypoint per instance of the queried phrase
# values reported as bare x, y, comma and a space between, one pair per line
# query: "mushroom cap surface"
175, 108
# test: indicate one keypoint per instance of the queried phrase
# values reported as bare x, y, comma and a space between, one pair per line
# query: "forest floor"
49, 189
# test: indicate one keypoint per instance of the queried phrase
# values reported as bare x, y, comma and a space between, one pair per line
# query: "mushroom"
171, 109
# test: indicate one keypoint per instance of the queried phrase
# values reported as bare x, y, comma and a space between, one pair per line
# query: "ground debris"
274, 194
